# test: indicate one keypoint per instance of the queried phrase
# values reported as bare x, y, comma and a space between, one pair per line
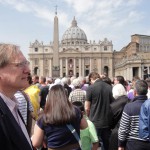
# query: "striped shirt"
129, 124
22, 105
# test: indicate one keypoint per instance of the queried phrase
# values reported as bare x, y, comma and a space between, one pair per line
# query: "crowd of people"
70, 113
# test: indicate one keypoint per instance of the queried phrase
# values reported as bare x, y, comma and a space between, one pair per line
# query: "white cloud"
98, 18
18, 5
29, 6
81, 6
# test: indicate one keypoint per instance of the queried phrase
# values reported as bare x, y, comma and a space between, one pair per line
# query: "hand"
33, 116
120, 148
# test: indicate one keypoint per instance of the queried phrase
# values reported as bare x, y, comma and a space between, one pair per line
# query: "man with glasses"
14, 70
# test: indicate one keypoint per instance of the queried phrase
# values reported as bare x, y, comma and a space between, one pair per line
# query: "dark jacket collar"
140, 97
97, 80
13, 130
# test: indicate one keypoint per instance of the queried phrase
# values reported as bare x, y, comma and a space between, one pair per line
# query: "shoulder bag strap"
73, 131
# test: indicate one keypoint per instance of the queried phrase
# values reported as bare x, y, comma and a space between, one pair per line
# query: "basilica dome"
74, 35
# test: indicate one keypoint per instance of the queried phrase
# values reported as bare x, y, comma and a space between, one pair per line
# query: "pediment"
36, 43
106, 42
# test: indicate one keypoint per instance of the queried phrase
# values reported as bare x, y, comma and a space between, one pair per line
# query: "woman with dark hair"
53, 122
119, 79
119, 87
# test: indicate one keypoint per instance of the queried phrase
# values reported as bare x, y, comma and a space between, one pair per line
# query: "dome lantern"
74, 22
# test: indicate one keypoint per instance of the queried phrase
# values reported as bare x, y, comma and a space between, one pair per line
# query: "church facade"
75, 56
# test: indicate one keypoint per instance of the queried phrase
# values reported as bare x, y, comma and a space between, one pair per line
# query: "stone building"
73, 56
134, 59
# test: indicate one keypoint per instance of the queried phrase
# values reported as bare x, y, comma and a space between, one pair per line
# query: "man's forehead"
18, 57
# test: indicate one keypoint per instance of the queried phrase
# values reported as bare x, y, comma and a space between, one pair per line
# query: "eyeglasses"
21, 64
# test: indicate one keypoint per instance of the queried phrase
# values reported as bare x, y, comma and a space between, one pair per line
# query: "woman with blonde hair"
52, 123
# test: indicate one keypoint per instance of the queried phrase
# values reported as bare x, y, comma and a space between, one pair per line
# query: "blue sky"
24, 21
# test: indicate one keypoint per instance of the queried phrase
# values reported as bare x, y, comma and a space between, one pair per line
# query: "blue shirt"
59, 135
144, 121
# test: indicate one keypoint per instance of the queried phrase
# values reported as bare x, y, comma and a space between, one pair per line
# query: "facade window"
63, 49
105, 48
46, 50
95, 61
70, 63
94, 49
36, 49
77, 49
36, 69
77, 74
77, 62
64, 74
106, 70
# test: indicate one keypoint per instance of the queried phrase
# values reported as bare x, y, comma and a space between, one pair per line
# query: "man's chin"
24, 85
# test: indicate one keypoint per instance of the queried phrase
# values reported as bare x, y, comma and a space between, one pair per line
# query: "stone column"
98, 66
80, 66
50, 67
90, 64
74, 67
66, 66
41, 68
147, 69
110, 67
31, 65
83, 67
61, 68
140, 72
129, 73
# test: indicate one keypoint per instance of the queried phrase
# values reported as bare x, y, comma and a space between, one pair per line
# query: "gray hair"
76, 83
7, 53
81, 79
141, 87
64, 80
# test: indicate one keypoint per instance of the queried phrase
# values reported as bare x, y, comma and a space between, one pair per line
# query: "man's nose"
27, 69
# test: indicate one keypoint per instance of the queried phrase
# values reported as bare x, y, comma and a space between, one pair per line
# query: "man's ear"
92, 81
134, 92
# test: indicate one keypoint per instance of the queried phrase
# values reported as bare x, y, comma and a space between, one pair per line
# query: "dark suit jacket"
11, 135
